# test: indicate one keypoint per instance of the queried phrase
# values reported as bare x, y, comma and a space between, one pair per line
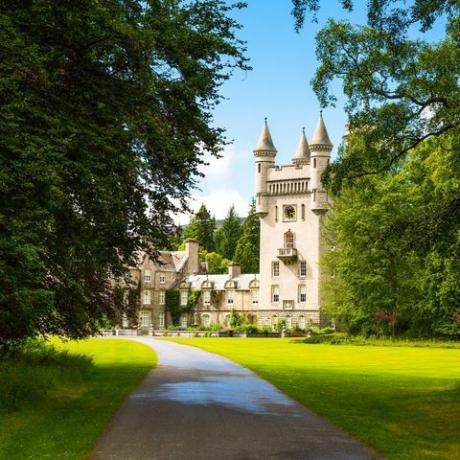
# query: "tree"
400, 90
215, 263
393, 255
105, 116
201, 228
248, 248
228, 235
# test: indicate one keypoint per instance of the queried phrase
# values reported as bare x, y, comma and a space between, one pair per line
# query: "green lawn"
402, 401
57, 407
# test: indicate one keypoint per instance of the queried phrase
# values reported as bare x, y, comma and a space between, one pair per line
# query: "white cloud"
218, 202
217, 168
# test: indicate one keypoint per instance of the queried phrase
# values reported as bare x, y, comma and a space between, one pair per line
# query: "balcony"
287, 255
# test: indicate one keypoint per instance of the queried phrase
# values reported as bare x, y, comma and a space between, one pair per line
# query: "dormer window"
206, 298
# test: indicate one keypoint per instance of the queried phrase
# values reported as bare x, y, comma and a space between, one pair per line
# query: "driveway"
197, 405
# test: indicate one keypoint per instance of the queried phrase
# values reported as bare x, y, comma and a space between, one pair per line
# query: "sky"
278, 88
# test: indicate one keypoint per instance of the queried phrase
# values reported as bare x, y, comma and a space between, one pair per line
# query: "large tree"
401, 86
106, 110
248, 248
394, 248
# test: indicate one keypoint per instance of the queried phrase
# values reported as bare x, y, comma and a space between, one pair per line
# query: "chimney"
234, 269
191, 250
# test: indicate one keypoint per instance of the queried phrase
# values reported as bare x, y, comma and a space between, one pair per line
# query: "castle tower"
264, 153
291, 206
320, 148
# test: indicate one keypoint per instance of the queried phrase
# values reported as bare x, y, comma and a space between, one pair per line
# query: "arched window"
288, 240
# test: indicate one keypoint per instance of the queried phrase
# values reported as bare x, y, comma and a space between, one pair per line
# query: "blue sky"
278, 87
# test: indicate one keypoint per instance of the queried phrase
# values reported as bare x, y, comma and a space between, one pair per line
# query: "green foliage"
226, 237
106, 113
393, 258
201, 228
400, 91
175, 309
248, 248
216, 264
235, 319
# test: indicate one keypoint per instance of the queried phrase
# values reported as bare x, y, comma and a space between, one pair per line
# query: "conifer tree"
202, 228
248, 248
228, 235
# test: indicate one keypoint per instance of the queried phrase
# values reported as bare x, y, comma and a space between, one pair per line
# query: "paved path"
197, 405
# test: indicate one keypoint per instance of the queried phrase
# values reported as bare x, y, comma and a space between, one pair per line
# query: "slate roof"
218, 281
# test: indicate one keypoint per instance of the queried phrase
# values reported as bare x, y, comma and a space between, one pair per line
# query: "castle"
291, 204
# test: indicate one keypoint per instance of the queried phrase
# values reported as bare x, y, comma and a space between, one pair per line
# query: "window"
259, 167
124, 321
302, 322
303, 212
230, 296
288, 240
145, 318
183, 298
207, 298
161, 320
162, 297
302, 293
162, 278
276, 213
303, 269
275, 269
147, 276
206, 320
288, 322
275, 294
183, 321
314, 162
255, 296
146, 298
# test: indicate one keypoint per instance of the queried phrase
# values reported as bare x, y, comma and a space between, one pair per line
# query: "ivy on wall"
175, 309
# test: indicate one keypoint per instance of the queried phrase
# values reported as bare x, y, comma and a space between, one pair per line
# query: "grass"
402, 401
55, 403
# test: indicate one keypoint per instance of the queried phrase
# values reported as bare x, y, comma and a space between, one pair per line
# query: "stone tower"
291, 204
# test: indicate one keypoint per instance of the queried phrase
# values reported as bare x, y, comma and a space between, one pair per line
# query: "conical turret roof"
321, 137
302, 154
265, 142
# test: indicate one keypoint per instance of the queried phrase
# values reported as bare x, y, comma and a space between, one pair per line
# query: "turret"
302, 154
320, 151
264, 153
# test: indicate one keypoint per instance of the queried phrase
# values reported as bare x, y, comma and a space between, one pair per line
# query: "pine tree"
229, 234
248, 248
202, 228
